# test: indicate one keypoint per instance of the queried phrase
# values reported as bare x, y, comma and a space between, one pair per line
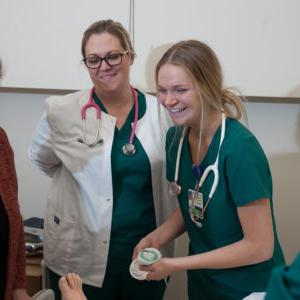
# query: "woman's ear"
132, 57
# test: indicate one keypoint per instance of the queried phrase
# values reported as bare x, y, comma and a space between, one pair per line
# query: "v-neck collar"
130, 116
211, 153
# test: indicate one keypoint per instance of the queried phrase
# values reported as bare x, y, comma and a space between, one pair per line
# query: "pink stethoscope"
128, 148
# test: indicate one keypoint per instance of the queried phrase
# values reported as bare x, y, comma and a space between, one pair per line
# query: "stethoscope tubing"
91, 104
211, 168
184, 131
215, 166
136, 114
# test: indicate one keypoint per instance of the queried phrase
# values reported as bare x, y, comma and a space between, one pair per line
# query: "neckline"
210, 150
130, 116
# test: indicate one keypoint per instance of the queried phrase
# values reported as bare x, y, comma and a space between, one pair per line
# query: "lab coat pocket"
59, 235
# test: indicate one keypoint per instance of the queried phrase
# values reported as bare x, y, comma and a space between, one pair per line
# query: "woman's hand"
21, 294
168, 231
160, 270
146, 242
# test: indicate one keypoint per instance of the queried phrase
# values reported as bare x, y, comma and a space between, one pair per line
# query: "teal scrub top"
244, 176
133, 214
284, 283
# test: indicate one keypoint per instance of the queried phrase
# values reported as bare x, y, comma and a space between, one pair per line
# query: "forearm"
238, 254
169, 230
41, 151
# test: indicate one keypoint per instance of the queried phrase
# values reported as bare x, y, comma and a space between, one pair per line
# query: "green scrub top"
285, 282
244, 176
133, 214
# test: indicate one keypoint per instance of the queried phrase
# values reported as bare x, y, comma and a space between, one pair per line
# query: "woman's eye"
113, 56
93, 60
161, 91
180, 91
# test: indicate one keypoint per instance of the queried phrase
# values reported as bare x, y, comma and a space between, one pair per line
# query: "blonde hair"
199, 60
112, 27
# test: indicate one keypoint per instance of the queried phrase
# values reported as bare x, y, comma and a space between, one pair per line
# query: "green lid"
149, 256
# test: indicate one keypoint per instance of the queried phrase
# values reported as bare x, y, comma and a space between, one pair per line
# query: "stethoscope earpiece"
99, 142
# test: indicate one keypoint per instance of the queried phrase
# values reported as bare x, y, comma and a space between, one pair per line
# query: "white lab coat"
80, 199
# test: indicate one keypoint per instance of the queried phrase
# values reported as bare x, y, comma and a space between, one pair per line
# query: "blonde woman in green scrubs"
233, 240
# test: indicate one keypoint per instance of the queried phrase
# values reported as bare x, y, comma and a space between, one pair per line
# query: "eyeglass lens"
95, 62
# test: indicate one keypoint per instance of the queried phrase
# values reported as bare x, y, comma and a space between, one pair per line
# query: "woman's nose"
104, 65
170, 99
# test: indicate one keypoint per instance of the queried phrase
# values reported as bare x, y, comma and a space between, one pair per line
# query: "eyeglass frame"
105, 59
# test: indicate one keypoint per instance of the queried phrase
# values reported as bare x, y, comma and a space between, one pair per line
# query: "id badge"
195, 204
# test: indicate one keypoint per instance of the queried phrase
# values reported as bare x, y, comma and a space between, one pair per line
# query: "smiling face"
177, 92
108, 78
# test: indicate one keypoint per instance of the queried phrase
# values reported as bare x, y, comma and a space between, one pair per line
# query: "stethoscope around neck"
175, 188
128, 148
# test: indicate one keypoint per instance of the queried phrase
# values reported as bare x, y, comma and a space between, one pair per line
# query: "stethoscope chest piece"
129, 149
174, 188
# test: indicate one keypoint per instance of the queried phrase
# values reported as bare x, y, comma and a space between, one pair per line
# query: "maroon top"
15, 276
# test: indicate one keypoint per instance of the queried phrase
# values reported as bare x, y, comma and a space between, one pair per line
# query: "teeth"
175, 110
106, 76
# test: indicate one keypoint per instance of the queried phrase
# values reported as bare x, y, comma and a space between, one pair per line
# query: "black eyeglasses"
95, 61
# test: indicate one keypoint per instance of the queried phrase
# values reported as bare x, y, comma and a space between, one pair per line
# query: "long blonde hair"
199, 60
